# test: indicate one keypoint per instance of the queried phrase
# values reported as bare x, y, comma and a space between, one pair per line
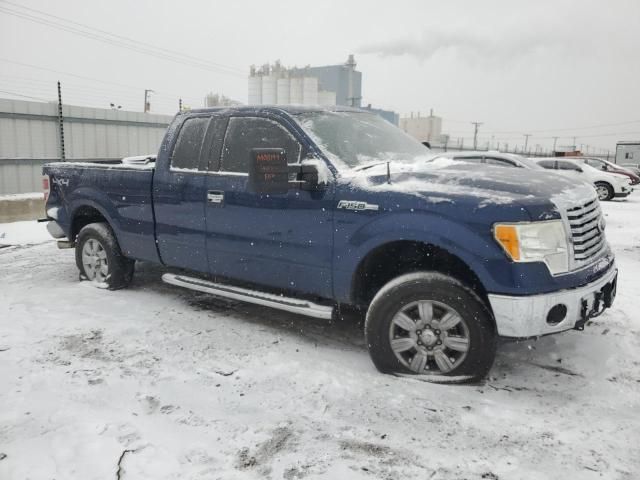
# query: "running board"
294, 305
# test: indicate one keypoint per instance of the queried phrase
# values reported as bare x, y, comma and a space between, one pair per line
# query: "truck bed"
120, 192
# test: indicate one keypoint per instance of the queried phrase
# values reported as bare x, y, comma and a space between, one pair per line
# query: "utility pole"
555, 140
61, 122
147, 105
475, 134
526, 141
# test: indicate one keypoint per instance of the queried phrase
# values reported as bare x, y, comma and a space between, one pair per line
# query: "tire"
99, 258
605, 191
426, 349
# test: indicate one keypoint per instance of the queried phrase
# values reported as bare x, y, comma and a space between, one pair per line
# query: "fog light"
557, 314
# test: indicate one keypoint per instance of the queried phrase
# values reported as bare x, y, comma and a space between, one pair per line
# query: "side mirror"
269, 171
310, 176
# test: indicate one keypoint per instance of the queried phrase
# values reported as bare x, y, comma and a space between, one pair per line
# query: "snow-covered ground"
155, 382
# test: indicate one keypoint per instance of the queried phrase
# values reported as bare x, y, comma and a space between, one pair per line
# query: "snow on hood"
445, 179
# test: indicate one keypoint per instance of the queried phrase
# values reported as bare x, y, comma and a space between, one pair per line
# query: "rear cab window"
186, 152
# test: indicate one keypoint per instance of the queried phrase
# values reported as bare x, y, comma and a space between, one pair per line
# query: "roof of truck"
291, 109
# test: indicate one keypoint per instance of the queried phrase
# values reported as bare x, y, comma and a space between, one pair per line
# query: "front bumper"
624, 192
526, 316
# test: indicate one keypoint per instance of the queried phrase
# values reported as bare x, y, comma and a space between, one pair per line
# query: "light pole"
526, 140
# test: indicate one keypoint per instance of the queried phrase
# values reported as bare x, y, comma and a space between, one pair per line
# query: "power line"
126, 39
119, 41
551, 130
24, 96
84, 77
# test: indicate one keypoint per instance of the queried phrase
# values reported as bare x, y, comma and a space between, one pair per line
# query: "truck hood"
483, 184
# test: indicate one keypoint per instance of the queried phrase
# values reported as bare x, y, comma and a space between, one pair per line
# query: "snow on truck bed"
155, 382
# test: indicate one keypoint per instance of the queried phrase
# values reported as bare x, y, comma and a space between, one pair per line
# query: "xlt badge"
355, 205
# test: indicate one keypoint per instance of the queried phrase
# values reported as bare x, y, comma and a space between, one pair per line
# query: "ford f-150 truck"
311, 210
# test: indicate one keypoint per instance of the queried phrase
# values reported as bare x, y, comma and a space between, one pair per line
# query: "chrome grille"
587, 231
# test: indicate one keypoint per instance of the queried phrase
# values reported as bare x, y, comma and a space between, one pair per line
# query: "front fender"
471, 243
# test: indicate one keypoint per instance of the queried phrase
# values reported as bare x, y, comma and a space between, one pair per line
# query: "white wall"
29, 137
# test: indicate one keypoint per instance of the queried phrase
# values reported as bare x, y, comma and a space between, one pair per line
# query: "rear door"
279, 240
179, 192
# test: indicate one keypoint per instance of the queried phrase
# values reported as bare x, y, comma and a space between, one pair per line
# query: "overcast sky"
549, 68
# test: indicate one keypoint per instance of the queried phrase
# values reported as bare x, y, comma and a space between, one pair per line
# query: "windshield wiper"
370, 165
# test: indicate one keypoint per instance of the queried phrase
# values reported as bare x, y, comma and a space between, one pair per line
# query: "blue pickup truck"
315, 211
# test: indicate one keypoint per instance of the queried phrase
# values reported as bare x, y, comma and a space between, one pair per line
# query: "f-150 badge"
354, 205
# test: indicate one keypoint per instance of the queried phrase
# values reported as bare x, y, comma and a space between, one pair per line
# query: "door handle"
215, 196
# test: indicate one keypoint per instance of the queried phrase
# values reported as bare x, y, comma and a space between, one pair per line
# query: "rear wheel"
99, 258
429, 323
605, 191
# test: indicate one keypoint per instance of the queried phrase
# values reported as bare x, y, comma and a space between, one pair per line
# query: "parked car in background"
608, 185
607, 166
490, 158
634, 167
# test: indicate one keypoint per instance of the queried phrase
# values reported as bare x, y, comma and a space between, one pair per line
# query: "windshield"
357, 139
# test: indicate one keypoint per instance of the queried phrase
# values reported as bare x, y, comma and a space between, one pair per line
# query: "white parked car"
490, 158
608, 185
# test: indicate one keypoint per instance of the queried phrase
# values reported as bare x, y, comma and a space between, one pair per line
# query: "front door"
278, 240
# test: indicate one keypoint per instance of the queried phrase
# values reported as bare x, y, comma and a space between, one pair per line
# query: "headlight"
535, 242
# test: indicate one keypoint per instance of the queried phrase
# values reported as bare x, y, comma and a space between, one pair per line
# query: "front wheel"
429, 323
99, 258
605, 191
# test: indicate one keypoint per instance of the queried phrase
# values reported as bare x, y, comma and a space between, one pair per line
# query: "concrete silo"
283, 90
269, 90
309, 91
255, 90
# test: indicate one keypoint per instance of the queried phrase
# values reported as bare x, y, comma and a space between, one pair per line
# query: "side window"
468, 159
245, 133
186, 152
499, 161
550, 164
568, 166
597, 164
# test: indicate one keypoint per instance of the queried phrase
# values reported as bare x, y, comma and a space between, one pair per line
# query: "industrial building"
628, 152
424, 129
327, 85
389, 115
